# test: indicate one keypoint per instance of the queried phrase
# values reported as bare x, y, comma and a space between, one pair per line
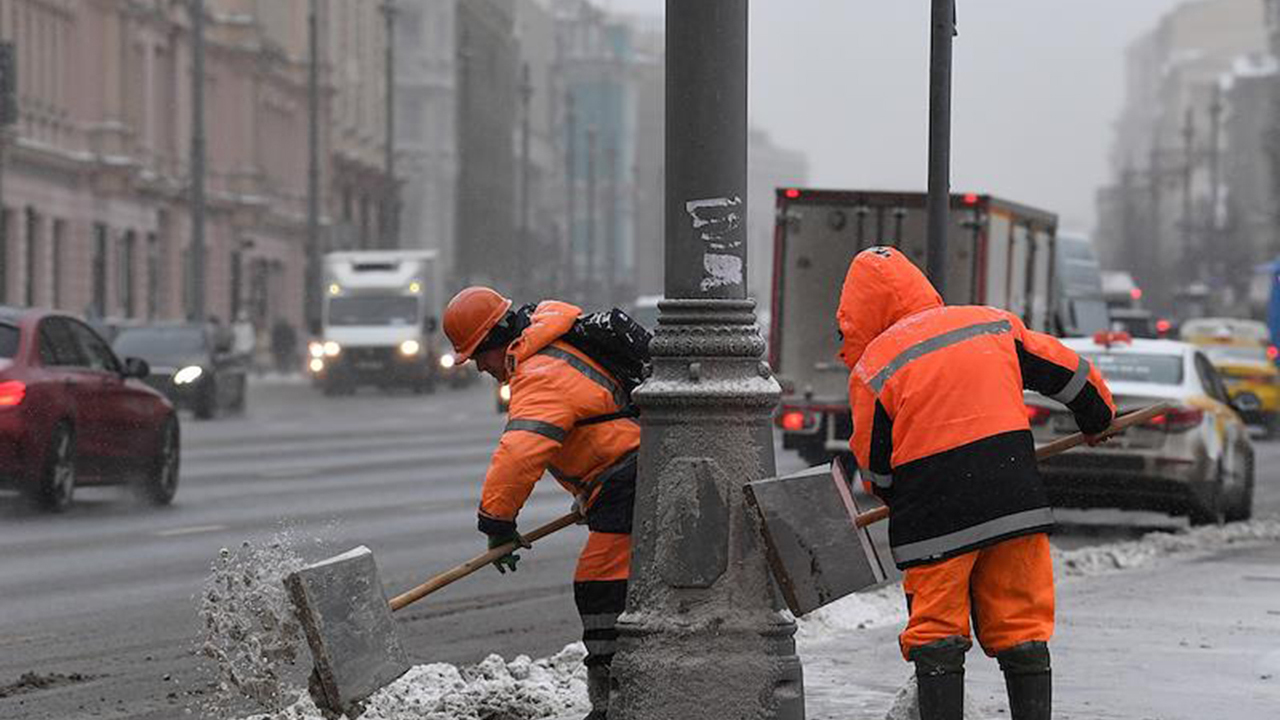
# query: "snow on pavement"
525, 689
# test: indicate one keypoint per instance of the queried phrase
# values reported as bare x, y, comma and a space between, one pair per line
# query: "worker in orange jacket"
941, 435
567, 417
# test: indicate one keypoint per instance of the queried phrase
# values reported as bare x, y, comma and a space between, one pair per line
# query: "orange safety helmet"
469, 317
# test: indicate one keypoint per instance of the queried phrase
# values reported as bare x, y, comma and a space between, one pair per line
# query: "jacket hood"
881, 288
550, 320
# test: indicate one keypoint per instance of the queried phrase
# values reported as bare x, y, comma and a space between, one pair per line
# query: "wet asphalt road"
100, 601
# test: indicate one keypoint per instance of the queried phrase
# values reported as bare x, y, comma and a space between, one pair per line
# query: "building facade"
1164, 215
98, 169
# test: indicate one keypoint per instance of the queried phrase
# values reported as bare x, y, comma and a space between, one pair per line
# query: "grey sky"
1037, 85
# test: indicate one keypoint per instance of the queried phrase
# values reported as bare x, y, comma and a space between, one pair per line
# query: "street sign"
8, 84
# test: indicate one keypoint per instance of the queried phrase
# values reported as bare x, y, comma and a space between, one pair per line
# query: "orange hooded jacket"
940, 426
554, 386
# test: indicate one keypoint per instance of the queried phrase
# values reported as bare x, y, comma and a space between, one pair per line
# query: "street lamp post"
391, 206
196, 311
704, 634
312, 273
522, 253
939, 199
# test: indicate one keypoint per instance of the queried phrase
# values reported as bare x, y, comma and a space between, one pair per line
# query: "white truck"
999, 253
379, 322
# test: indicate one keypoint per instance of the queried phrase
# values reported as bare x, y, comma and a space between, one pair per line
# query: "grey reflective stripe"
601, 647
881, 481
545, 429
603, 621
1075, 384
558, 474
936, 547
592, 374
924, 347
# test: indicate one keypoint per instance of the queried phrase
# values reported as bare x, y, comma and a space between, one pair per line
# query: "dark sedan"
191, 364
72, 413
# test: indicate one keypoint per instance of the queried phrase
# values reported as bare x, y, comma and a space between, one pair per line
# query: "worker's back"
940, 427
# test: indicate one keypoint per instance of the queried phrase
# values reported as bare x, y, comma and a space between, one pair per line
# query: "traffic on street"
639, 360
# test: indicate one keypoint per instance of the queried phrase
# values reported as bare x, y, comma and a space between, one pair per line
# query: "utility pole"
1215, 167
197, 309
703, 633
591, 279
1188, 169
312, 274
571, 192
939, 201
611, 223
391, 205
522, 253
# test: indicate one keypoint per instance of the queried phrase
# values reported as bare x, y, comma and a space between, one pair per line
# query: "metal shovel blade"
816, 550
344, 612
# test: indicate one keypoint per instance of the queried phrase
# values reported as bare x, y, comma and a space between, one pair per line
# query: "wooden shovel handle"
480, 561
1048, 450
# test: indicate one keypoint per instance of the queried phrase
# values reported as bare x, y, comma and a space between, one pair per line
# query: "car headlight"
410, 347
504, 392
315, 349
188, 375
332, 348
316, 365
447, 361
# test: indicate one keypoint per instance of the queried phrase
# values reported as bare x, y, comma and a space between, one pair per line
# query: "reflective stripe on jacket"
553, 387
940, 426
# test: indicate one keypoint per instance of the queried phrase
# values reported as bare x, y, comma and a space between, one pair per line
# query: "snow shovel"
816, 537
347, 619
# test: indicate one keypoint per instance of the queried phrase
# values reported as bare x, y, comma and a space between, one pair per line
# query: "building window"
32, 254
98, 307
153, 275
59, 229
126, 274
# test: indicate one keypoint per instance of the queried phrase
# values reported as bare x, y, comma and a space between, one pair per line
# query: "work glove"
508, 561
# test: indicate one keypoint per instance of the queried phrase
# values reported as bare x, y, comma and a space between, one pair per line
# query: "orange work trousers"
600, 592
1006, 588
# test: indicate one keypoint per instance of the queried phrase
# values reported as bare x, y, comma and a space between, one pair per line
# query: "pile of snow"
522, 689
1115, 557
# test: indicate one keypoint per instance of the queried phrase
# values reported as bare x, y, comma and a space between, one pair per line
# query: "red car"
71, 413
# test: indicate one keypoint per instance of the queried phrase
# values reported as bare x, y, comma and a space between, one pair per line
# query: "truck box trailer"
999, 253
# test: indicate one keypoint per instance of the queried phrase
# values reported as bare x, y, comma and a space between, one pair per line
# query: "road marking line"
283, 473
189, 530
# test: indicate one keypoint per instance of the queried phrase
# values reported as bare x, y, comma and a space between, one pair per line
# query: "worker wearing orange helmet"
567, 416
941, 434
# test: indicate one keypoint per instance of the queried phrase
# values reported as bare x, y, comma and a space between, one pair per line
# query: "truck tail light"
1037, 415
12, 393
1176, 420
792, 420
1272, 352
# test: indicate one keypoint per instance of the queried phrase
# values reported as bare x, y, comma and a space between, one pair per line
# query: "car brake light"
12, 393
1163, 326
793, 420
1176, 420
1037, 415
971, 198
1272, 352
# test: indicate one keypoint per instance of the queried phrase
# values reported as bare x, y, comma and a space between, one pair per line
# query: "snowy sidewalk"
1174, 626
1195, 636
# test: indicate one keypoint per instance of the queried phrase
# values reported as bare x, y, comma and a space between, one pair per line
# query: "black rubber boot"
940, 678
598, 692
1028, 678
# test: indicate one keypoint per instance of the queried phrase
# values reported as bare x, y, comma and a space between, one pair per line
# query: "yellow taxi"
1244, 357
